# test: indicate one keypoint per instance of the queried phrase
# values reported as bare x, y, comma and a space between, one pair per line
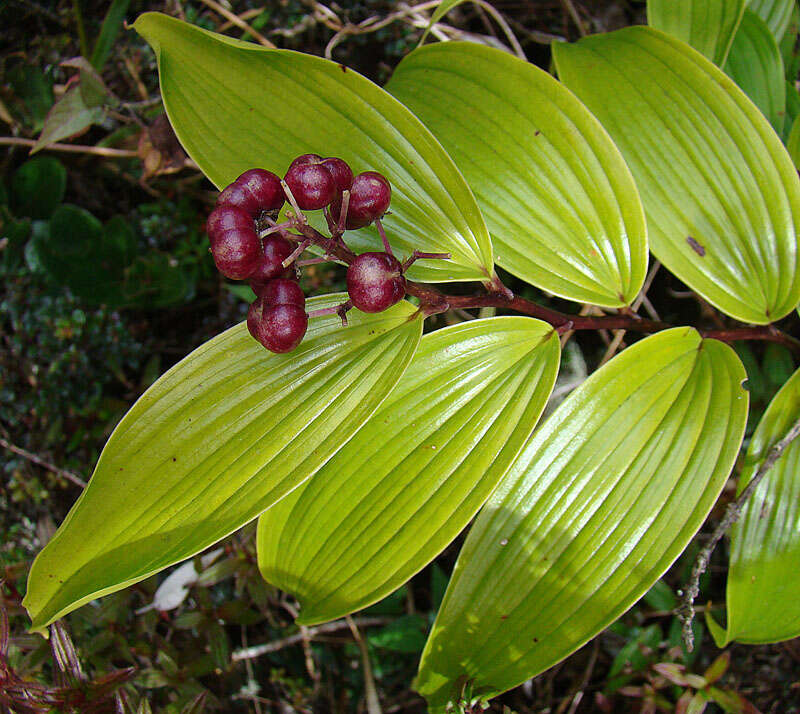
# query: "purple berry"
280, 328
283, 292
306, 159
370, 196
341, 172
270, 265
312, 185
375, 282
227, 218
254, 191
234, 242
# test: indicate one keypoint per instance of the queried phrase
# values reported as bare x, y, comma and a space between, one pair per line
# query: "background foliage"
75, 353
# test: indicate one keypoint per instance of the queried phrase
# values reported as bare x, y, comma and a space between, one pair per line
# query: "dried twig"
72, 148
373, 704
236, 20
311, 633
733, 512
39, 461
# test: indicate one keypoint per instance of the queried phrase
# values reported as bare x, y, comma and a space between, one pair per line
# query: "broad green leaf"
775, 13
721, 196
755, 64
560, 203
706, 25
788, 46
763, 589
219, 438
236, 105
601, 501
792, 110
793, 143
416, 472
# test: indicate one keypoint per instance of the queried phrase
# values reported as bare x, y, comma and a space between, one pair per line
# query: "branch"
732, 514
311, 633
72, 148
39, 461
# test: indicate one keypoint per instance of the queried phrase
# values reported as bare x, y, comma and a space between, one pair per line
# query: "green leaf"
235, 105
788, 45
721, 196
416, 473
601, 501
755, 64
775, 13
560, 203
792, 109
38, 187
218, 439
763, 594
35, 90
441, 10
406, 634
706, 25
793, 143
112, 24
69, 116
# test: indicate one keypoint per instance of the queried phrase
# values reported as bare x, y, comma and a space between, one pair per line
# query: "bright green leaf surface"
599, 504
720, 193
793, 143
706, 25
416, 472
236, 105
755, 64
559, 201
214, 442
763, 588
776, 13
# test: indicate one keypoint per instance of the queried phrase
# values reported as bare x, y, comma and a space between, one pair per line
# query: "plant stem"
732, 514
433, 301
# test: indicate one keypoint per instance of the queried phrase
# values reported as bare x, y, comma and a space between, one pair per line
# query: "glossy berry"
312, 185
341, 172
234, 242
270, 265
306, 159
254, 191
370, 196
375, 282
283, 292
280, 328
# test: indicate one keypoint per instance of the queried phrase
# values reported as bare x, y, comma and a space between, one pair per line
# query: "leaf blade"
763, 592
208, 429
214, 86
575, 532
561, 206
416, 472
721, 197
707, 25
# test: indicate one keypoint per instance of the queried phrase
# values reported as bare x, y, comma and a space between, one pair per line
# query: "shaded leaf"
214, 442
602, 500
69, 116
38, 187
406, 634
559, 201
775, 13
721, 196
416, 472
112, 24
755, 64
763, 593
236, 105
706, 25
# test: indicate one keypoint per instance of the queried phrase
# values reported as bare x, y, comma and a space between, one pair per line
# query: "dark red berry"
280, 328
375, 282
370, 196
306, 159
283, 292
254, 191
312, 185
227, 218
341, 172
237, 253
270, 265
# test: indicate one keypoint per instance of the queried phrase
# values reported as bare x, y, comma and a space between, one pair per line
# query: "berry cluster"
248, 243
